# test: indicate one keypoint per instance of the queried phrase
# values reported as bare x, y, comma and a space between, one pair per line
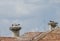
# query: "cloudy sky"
33, 15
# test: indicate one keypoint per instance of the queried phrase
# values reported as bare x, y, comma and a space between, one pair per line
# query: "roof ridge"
42, 35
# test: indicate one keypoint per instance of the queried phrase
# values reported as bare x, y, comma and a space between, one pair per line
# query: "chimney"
52, 24
15, 28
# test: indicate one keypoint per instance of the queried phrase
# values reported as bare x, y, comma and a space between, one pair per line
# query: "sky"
32, 15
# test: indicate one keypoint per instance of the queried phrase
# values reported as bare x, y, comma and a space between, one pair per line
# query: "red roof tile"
26, 37
29, 36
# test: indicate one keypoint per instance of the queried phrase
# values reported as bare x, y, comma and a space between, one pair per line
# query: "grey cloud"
14, 9
30, 13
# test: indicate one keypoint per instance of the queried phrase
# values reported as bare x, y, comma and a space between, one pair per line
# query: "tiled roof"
52, 36
26, 37
29, 36
7, 39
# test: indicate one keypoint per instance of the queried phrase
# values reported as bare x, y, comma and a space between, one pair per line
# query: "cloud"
54, 1
25, 8
18, 8
4, 21
31, 14
34, 30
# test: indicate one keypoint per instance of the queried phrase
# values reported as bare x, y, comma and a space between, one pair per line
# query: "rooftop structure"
15, 28
53, 35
